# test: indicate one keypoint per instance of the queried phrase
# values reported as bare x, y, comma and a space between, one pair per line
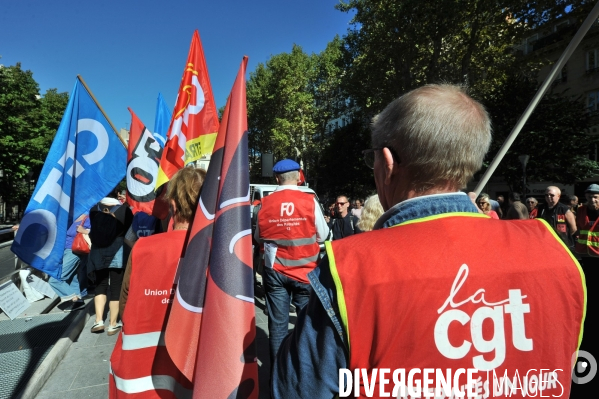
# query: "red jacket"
430, 298
287, 220
140, 364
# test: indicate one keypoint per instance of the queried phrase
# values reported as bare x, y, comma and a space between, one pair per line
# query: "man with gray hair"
431, 286
559, 216
289, 228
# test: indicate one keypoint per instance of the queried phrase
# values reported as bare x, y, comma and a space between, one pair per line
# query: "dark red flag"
212, 321
143, 157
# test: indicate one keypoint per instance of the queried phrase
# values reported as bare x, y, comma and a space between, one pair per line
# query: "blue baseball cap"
286, 165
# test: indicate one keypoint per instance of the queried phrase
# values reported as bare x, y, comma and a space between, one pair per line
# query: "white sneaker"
98, 327
111, 330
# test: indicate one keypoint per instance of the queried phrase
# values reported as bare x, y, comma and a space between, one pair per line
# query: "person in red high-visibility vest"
140, 365
290, 226
438, 300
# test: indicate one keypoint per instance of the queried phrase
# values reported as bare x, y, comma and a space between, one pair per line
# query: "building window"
592, 100
561, 25
562, 76
528, 48
592, 60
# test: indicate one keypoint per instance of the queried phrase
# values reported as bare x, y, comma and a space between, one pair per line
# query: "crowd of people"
395, 273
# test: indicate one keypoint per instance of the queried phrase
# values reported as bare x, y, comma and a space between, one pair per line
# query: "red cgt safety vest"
287, 220
461, 291
140, 364
588, 239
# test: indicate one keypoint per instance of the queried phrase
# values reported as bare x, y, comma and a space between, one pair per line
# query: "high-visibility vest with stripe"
460, 291
286, 220
588, 238
140, 364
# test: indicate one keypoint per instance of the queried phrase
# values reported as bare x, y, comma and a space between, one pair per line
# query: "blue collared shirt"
309, 359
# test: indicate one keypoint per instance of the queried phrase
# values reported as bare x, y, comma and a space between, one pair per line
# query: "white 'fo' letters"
288, 208
495, 312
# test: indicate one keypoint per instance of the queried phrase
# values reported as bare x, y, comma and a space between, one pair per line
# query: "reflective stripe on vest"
140, 341
588, 239
296, 243
287, 219
296, 262
140, 361
151, 383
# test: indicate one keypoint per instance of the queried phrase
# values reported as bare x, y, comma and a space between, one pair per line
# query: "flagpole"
586, 25
101, 109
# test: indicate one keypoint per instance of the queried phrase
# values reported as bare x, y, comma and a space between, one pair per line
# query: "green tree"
342, 169
290, 100
554, 136
394, 46
28, 123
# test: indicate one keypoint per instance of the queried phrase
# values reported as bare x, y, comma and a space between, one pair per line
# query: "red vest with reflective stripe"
588, 239
287, 220
461, 291
140, 363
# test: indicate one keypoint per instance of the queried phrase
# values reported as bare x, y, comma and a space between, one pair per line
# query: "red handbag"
81, 243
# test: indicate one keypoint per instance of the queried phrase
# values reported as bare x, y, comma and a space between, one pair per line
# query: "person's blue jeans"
280, 291
68, 285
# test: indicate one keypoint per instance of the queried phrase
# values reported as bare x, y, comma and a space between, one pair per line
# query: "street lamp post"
524, 160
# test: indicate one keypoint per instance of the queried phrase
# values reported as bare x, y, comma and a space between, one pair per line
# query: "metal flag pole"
586, 25
101, 109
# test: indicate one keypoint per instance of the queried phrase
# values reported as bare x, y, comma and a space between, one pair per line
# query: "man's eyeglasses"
340, 203
550, 195
369, 155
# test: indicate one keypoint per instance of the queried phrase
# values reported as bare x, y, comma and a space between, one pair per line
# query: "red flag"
211, 327
143, 157
194, 124
302, 179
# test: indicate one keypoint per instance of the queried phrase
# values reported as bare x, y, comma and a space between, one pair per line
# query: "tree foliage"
393, 46
28, 123
290, 100
554, 137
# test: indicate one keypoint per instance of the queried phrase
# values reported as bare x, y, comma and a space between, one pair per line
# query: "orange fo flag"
194, 124
211, 329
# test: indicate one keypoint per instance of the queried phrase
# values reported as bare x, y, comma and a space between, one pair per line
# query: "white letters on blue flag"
86, 161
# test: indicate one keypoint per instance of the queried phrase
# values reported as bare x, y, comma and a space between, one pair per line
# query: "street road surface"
7, 262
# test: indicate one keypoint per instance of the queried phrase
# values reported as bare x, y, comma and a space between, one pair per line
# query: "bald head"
552, 196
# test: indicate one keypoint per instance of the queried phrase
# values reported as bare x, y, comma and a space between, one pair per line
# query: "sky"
128, 51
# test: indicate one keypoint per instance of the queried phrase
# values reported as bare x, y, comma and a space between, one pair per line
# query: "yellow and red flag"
194, 123
211, 330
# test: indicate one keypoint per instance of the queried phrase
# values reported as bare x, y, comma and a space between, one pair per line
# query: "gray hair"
288, 176
439, 133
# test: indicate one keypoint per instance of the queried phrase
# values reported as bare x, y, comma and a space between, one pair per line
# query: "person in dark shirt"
558, 215
343, 224
110, 221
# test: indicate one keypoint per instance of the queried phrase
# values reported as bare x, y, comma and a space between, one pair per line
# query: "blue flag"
161, 121
86, 161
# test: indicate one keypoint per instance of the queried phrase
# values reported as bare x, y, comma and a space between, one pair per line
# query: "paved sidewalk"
83, 372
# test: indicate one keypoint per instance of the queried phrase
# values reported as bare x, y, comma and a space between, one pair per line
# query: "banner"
194, 124
211, 328
143, 156
85, 162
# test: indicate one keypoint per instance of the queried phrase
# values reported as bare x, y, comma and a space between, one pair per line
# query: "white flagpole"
586, 25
